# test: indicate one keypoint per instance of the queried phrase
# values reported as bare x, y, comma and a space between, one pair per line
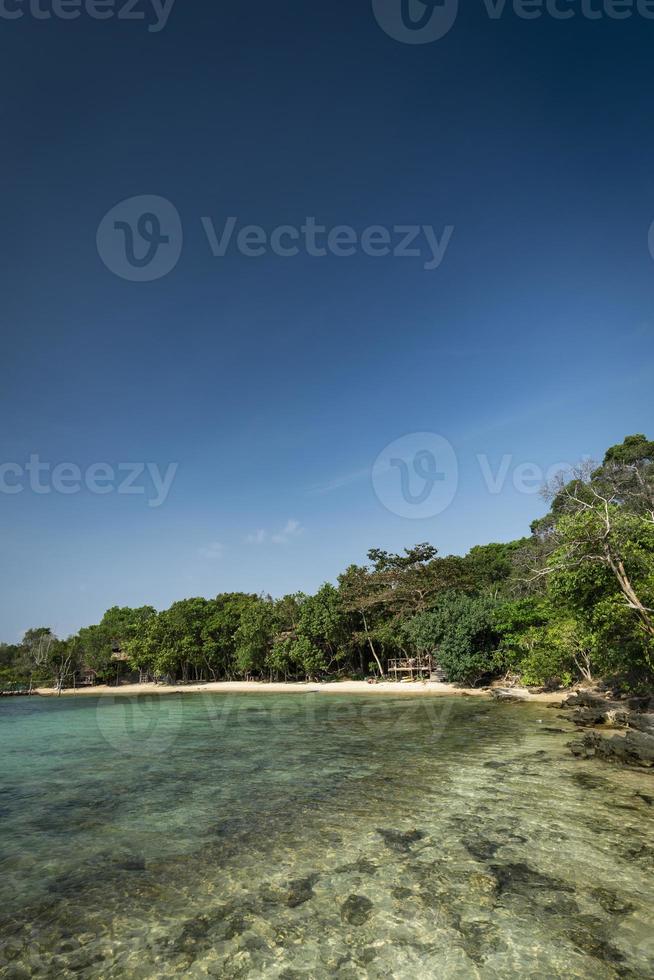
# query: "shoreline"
424, 688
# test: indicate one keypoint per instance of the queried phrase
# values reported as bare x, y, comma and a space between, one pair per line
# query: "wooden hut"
424, 667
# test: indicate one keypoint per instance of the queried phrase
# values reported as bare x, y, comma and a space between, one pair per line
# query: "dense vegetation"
573, 601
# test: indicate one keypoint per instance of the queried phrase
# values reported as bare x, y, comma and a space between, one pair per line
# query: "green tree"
460, 631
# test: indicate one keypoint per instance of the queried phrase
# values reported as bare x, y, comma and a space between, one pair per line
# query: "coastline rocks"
592, 709
504, 694
634, 748
642, 722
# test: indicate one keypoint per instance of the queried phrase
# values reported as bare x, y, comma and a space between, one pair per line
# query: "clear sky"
274, 382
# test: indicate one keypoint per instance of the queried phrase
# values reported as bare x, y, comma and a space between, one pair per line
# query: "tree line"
572, 601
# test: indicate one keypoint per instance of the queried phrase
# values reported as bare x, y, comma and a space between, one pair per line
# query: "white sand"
429, 688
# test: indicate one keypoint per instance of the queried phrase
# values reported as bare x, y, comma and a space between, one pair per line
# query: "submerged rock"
588, 935
479, 939
401, 893
356, 910
133, 862
481, 848
521, 878
398, 840
299, 891
611, 902
294, 892
361, 866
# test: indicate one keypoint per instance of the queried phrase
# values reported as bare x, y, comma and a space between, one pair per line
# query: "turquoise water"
316, 836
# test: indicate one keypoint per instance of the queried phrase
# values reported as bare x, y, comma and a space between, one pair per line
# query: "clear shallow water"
316, 836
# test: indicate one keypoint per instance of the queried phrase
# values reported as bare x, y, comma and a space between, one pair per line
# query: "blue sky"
273, 383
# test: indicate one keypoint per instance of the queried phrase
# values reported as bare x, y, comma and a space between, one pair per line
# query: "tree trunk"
370, 644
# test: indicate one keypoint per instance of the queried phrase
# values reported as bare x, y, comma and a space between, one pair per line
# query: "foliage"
462, 632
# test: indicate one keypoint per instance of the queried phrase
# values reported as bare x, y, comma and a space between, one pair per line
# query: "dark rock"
641, 853
635, 748
400, 893
587, 780
611, 902
607, 715
479, 940
401, 841
588, 936
642, 723
356, 910
367, 955
481, 848
584, 699
525, 880
645, 798
299, 891
132, 863
560, 905
234, 925
361, 866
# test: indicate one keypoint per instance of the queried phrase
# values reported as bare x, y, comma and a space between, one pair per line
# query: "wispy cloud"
211, 551
291, 530
355, 476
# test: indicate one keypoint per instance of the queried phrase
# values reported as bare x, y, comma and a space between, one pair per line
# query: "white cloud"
211, 551
291, 529
257, 537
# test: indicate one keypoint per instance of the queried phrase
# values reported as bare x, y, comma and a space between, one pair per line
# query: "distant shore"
425, 688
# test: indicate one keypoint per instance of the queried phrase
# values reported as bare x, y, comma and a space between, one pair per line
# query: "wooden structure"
86, 678
424, 667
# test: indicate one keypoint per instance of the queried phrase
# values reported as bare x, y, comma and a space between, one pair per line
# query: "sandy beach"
425, 688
